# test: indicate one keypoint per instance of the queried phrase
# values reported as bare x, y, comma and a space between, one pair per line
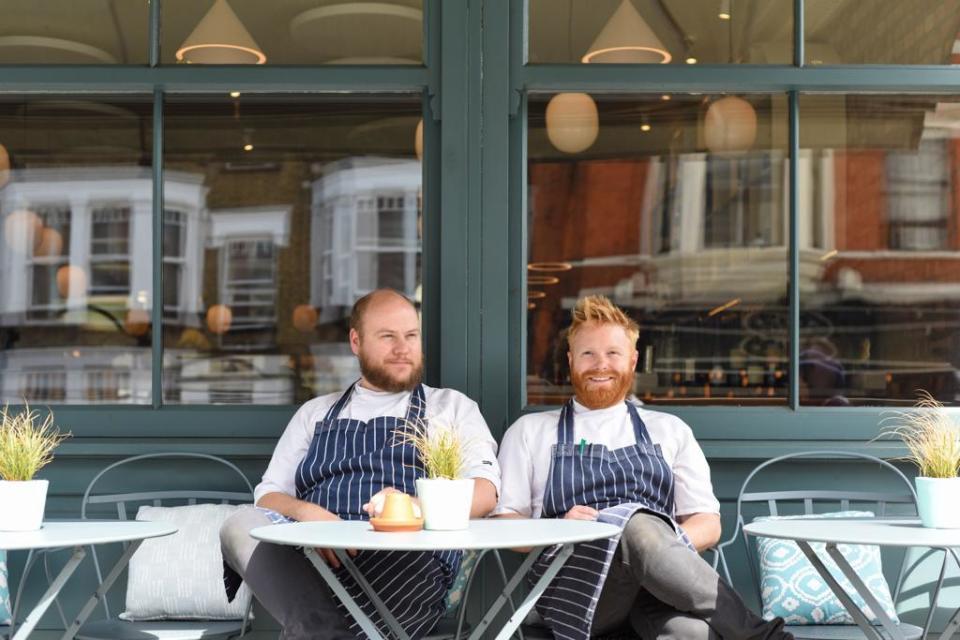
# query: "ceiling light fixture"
691, 60
572, 121
730, 125
724, 13
549, 266
627, 38
220, 38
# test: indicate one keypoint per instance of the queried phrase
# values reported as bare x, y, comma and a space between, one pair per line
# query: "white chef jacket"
444, 407
526, 453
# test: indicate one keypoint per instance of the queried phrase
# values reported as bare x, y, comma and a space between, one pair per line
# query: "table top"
71, 533
482, 534
891, 532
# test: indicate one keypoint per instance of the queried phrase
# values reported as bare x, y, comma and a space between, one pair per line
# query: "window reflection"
677, 214
75, 260
280, 213
880, 256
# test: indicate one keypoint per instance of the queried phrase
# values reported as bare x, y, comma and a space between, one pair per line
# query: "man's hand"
581, 512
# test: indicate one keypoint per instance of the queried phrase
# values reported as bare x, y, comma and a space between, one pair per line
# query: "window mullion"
793, 281
157, 309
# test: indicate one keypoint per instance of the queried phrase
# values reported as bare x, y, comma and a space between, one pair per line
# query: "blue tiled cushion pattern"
791, 588
4, 591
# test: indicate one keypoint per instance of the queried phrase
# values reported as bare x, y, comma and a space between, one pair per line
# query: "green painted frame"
725, 432
475, 82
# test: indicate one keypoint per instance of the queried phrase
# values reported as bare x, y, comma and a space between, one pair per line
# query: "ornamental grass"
931, 436
27, 441
441, 448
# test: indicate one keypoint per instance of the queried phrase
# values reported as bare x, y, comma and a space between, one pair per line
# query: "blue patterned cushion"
4, 591
791, 588
455, 594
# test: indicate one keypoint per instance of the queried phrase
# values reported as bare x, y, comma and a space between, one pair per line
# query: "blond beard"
605, 397
382, 379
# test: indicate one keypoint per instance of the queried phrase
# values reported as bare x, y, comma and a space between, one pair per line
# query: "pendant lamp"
220, 38
219, 319
4, 166
730, 125
572, 122
418, 140
627, 38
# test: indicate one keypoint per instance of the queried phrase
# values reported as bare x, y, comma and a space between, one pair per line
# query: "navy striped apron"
618, 484
347, 463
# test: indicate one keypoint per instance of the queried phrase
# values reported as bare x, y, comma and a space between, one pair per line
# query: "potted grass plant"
445, 495
932, 438
27, 441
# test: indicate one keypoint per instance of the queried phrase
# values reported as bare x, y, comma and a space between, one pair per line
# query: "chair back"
812, 501
178, 490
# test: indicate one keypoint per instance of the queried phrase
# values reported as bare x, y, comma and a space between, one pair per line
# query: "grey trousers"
283, 580
662, 591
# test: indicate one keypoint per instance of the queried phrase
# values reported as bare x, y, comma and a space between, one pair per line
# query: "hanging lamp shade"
22, 230
418, 140
305, 318
219, 319
220, 38
51, 243
572, 122
4, 166
627, 38
71, 281
730, 125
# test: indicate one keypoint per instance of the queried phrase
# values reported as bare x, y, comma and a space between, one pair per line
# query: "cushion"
456, 592
791, 588
180, 576
4, 590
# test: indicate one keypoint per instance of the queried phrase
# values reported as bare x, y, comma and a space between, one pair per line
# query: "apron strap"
639, 428
334, 412
417, 407
565, 424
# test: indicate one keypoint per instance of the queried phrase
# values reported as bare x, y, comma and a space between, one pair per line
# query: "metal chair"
774, 501
125, 506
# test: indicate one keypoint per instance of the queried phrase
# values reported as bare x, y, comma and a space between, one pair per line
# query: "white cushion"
180, 576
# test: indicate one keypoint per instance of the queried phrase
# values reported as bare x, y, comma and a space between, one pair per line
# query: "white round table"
56, 534
886, 532
482, 534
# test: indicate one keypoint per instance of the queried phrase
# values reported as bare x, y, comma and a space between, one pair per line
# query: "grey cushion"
159, 629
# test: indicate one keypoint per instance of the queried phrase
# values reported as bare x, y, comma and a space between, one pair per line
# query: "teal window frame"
725, 431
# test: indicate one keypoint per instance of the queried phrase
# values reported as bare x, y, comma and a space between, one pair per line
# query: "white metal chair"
811, 501
175, 492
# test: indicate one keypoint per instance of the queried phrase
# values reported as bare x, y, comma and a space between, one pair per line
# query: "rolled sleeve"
693, 489
289, 452
481, 451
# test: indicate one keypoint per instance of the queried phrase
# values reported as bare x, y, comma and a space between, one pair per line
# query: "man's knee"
236, 544
646, 534
688, 628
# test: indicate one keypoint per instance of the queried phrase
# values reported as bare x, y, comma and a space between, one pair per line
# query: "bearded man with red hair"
605, 457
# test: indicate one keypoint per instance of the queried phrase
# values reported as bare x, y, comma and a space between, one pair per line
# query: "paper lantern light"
137, 322
304, 318
219, 317
4, 166
71, 281
572, 122
22, 230
418, 140
51, 243
220, 38
730, 125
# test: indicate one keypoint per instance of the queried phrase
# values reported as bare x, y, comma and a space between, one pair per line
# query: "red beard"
601, 397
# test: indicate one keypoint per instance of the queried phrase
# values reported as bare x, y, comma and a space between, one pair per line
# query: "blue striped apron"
618, 484
347, 463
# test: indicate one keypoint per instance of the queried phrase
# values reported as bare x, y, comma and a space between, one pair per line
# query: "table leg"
953, 625
97, 596
331, 579
868, 629
515, 620
381, 608
50, 595
871, 601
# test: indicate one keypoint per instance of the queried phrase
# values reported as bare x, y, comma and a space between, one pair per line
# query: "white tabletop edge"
482, 534
70, 533
891, 532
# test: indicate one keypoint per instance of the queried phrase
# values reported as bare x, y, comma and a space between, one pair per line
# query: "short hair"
599, 309
359, 309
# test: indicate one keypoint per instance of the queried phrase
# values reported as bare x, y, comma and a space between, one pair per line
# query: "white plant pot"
937, 502
445, 503
22, 503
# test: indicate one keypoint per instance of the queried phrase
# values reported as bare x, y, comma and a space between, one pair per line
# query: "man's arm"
299, 510
484, 498
703, 529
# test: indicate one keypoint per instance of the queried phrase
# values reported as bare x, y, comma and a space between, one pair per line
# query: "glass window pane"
292, 33
76, 203
881, 31
74, 32
879, 247
675, 209
660, 32
281, 211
